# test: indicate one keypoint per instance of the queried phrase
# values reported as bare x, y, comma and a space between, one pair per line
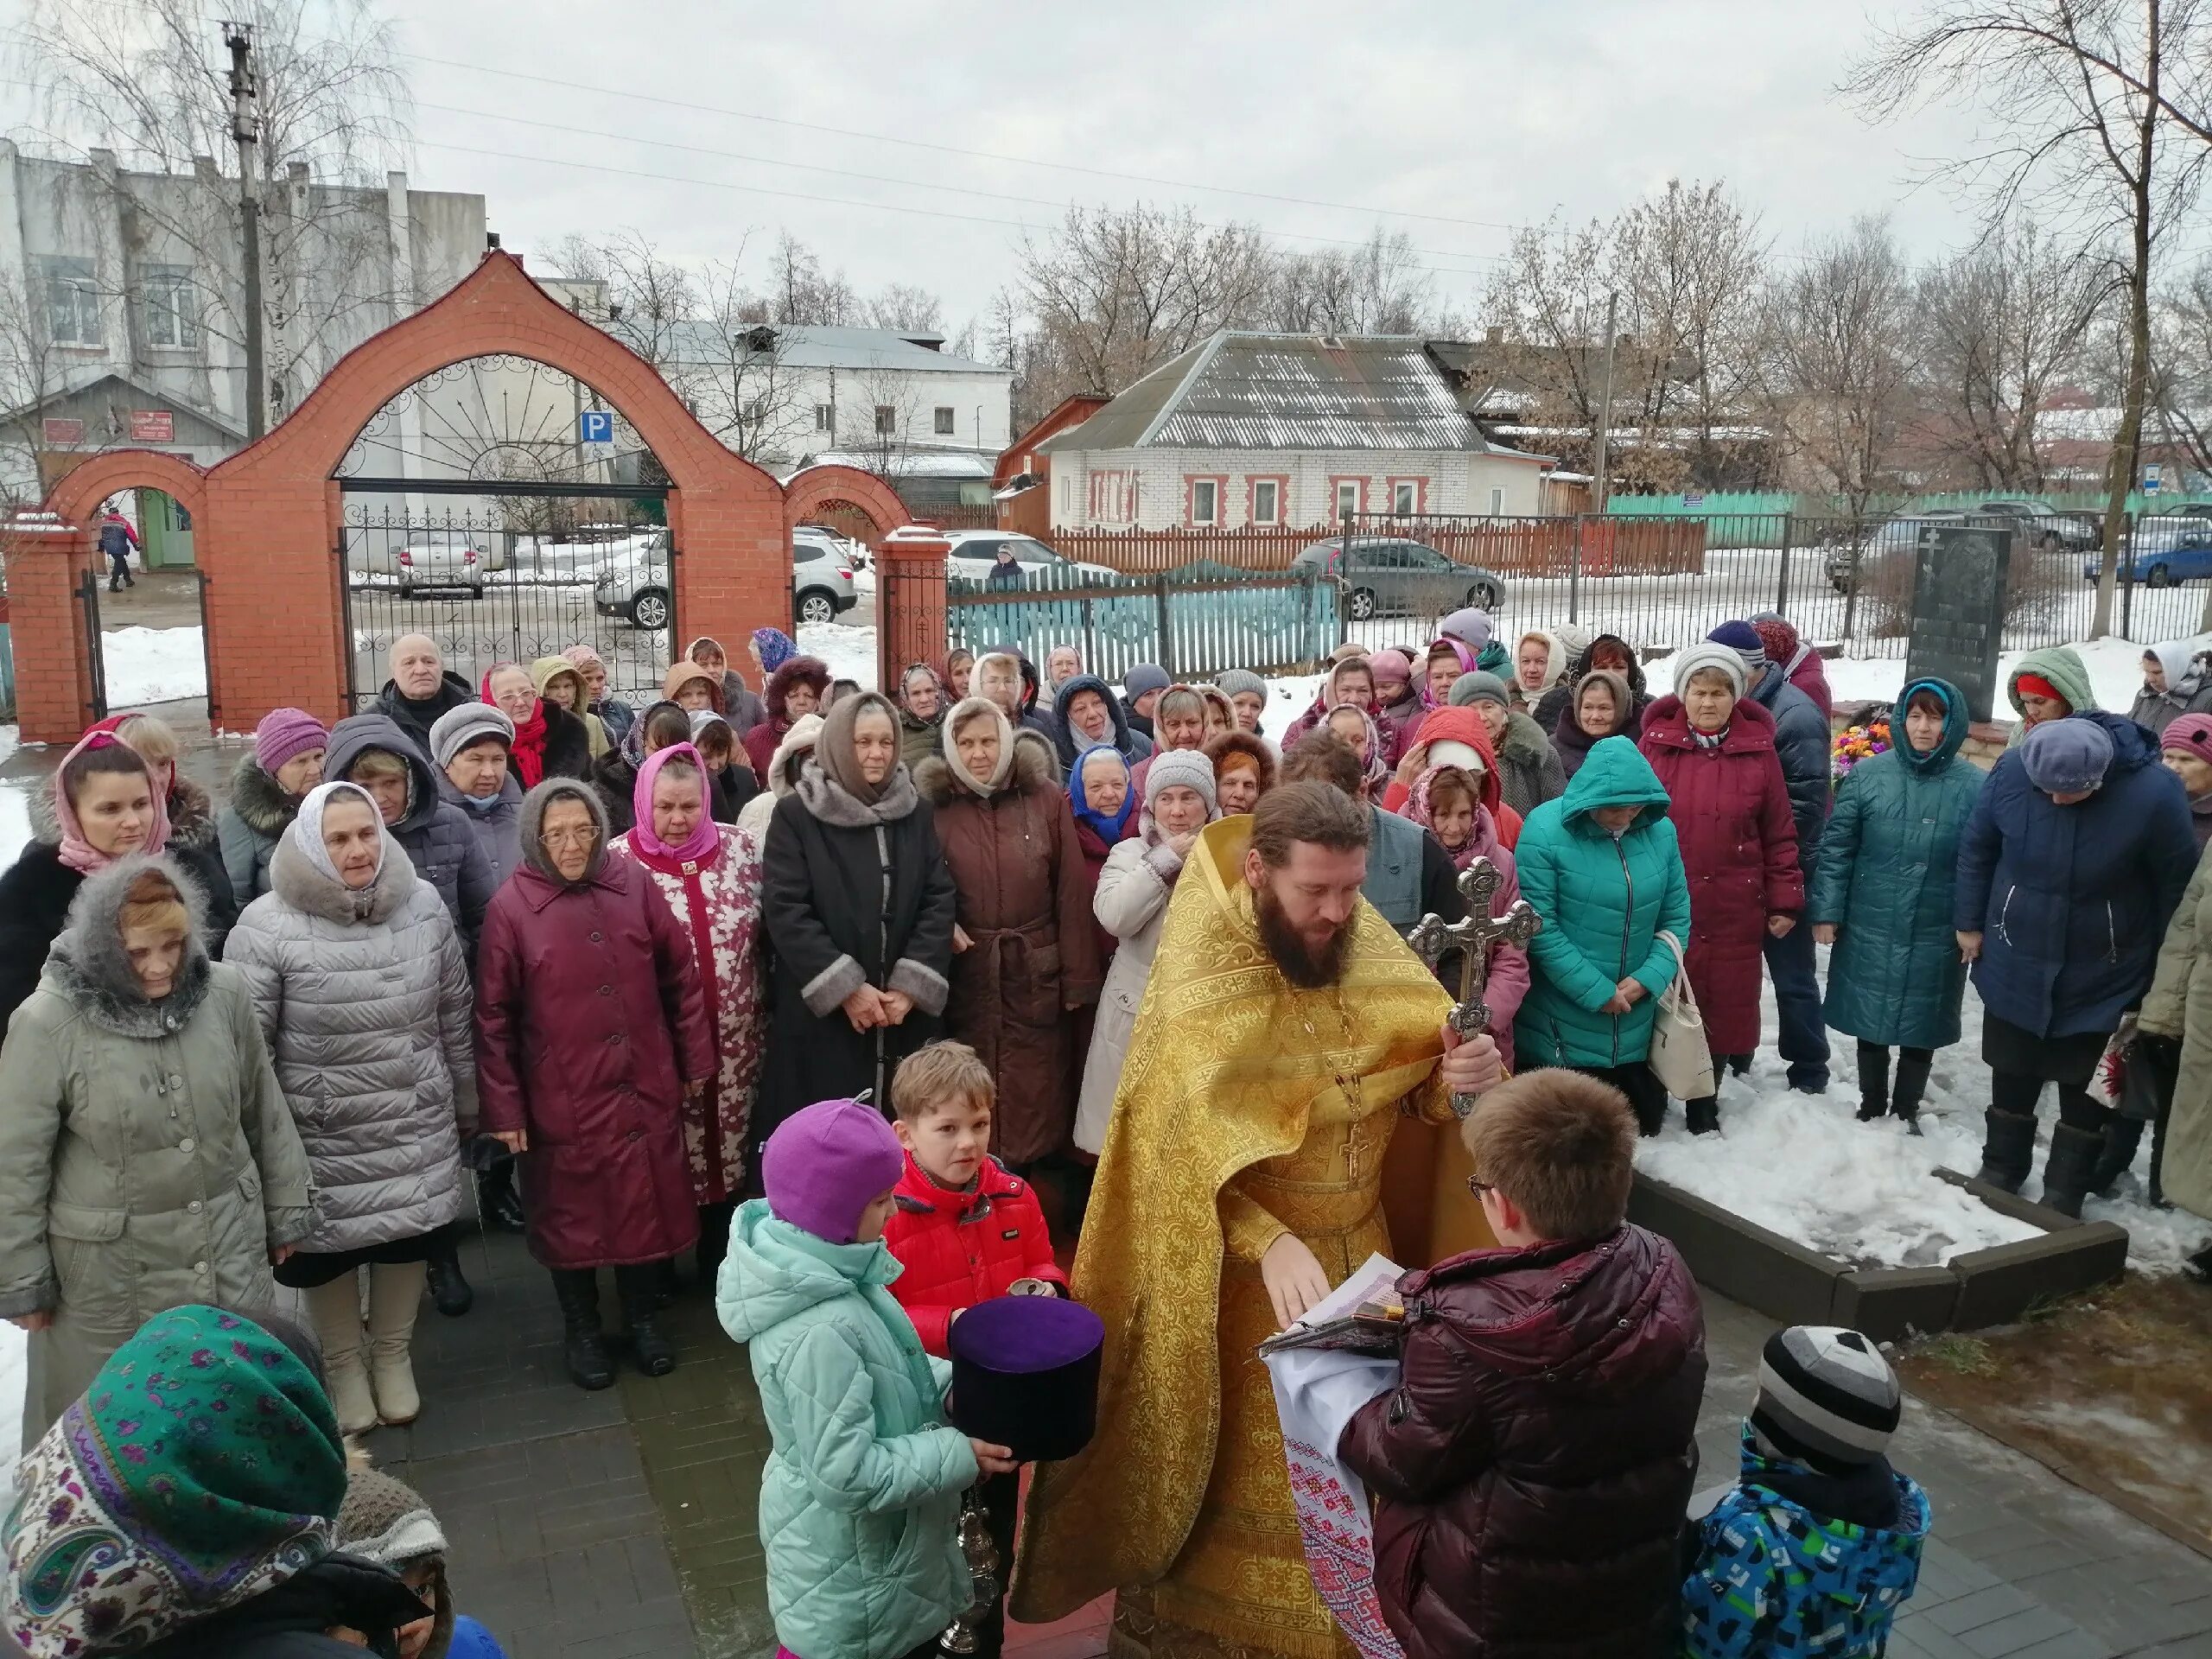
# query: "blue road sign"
596, 426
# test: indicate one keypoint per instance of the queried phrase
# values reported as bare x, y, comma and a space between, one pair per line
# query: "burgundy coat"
1739, 849
589, 1020
1531, 1470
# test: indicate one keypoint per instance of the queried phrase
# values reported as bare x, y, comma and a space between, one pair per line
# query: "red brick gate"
268, 518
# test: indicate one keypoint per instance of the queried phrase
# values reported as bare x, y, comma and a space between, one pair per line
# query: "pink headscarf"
706, 836
80, 854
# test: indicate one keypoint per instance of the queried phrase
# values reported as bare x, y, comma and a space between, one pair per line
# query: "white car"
852, 554
974, 552
446, 561
635, 584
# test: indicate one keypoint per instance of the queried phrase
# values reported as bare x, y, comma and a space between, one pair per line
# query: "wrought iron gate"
88, 602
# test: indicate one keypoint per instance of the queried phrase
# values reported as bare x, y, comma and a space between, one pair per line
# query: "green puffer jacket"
1888, 864
2063, 668
1604, 900
860, 1503
2179, 1005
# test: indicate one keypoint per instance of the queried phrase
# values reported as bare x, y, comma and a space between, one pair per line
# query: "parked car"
2045, 526
2164, 549
845, 548
1893, 538
637, 585
974, 551
444, 561
1394, 575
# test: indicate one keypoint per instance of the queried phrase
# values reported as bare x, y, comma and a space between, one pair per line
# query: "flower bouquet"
1855, 743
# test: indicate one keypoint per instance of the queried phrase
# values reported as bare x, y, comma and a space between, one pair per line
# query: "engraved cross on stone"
1433, 936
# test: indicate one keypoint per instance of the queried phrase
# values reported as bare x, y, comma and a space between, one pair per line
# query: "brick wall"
53, 682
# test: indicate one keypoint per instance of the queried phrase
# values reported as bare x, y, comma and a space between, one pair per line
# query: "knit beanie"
1237, 681
1478, 687
286, 734
470, 723
1720, 655
2034, 685
2190, 733
1826, 1397
1390, 664
2064, 757
1776, 637
1744, 640
1186, 766
1145, 676
1471, 626
826, 1163
385, 1521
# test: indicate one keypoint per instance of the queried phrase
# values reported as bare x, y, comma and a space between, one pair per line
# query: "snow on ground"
152, 665
848, 648
2115, 668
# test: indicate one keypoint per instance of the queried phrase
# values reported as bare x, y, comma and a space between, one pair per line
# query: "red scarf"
529, 751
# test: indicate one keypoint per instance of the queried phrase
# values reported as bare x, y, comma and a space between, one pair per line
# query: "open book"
1363, 1315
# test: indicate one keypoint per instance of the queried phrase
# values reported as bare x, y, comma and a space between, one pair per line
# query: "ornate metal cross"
1433, 936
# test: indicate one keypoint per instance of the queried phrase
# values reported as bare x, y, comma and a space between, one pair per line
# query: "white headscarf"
307, 828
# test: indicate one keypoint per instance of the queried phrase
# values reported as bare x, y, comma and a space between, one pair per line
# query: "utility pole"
1598, 481
246, 129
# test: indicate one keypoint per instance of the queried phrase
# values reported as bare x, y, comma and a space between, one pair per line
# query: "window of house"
72, 304
1349, 491
826, 417
944, 420
170, 305
886, 421
757, 410
1206, 501
1067, 493
1405, 497
1266, 501
1496, 503
1114, 497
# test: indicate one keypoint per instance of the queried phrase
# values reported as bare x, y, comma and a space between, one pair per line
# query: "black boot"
449, 1292
496, 1199
1912, 1083
2157, 1194
2122, 1140
1704, 1116
2066, 1170
1873, 1083
714, 1240
584, 1347
2008, 1151
2199, 1266
654, 1353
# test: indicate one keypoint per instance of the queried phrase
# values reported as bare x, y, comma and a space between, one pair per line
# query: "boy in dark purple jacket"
1531, 1470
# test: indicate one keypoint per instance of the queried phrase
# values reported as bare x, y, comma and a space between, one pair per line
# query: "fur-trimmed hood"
192, 813
260, 801
294, 879
87, 965
1258, 749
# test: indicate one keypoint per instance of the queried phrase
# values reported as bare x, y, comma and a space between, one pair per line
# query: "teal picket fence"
1736, 512
1201, 619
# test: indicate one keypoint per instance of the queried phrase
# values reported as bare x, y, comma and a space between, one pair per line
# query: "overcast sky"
1453, 120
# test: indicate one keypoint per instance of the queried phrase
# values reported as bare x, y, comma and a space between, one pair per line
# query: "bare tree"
1838, 364
651, 299
895, 403
2102, 104
1378, 288
800, 293
904, 308
30, 373
737, 376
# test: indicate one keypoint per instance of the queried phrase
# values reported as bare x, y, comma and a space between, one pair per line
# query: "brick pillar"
910, 619
53, 671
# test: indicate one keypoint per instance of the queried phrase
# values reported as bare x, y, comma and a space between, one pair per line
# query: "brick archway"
831, 489
77, 495
270, 515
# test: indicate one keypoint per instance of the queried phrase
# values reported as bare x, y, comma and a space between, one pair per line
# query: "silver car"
637, 585
444, 561
1394, 575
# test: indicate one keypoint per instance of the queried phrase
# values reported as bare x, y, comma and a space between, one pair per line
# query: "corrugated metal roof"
1239, 391
829, 348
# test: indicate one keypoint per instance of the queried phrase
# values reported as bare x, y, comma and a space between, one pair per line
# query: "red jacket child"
959, 1249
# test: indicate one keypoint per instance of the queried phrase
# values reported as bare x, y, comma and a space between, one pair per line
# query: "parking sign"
596, 426
2151, 479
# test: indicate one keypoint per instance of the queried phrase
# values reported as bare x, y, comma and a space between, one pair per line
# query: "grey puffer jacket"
496, 824
259, 811
146, 1155
435, 835
364, 997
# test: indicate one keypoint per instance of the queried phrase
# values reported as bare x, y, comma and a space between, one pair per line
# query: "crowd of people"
611, 966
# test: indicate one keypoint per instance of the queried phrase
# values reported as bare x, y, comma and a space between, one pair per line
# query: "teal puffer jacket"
1604, 900
1888, 866
860, 1503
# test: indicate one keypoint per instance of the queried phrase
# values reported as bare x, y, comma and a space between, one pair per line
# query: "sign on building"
596, 426
60, 429
153, 426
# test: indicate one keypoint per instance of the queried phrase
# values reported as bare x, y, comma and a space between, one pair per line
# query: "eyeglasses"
1477, 1185
553, 840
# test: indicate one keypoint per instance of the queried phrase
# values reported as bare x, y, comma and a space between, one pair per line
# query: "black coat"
829, 931
35, 897
568, 745
729, 790
340, 1591
415, 718
614, 777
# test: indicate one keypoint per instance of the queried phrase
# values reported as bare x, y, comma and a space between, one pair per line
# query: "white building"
121, 295
1265, 429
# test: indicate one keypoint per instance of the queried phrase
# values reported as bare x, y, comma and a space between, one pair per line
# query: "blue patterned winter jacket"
1772, 1577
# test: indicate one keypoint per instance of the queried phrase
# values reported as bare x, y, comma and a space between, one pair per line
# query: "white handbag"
1680, 1058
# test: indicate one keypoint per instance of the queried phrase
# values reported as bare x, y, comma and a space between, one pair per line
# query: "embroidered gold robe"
1247, 1109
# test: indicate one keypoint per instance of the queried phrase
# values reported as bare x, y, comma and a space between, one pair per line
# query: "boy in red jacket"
965, 1228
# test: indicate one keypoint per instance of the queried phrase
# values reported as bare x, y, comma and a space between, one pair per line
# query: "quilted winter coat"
1131, 903
1888, 864
435, 835
1604, 903
146, 1155
956, 1249
1731, 813
717, 905
1024, 897
1531, 1468
1801, 744
364, 1003
588, 1021
859, 1501
2179, 1006
2072, 902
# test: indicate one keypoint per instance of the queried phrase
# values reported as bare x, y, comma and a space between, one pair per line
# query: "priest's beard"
1303, 966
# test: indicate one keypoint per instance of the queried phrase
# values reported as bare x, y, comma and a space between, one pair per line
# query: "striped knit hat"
1826, 1397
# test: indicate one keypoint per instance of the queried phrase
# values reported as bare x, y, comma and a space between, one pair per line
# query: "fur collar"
296, 881
192, 814
826, 801
260, 801
86, 963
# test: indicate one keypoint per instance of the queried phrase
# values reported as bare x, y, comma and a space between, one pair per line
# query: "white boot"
336, 1310
394, 1297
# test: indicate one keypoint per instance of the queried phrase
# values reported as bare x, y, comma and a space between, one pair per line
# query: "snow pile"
153, 665
848, 648
2115, 669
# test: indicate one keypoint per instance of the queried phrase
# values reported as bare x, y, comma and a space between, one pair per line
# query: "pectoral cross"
1433, 936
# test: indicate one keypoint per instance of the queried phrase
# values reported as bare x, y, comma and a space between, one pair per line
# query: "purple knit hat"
2191, 733
826, 1163
285, 735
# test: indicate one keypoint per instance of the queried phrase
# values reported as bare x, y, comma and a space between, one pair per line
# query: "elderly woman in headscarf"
1030, 957
1601, 706
858, 907
922, 703
1350, 681
616, 715
592, 1032
1358, 728
711, 882
560, 682
1178, 721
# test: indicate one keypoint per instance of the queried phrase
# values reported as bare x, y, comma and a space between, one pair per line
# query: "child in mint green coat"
860, 1503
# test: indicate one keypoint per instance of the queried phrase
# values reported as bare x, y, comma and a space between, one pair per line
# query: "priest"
1287, 1035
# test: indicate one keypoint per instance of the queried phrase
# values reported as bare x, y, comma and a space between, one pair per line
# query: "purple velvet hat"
1024, 1375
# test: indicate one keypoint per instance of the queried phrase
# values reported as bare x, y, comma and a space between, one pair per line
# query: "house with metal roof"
1269, 430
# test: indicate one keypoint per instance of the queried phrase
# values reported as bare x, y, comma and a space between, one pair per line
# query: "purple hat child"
285, 735
826, 1163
